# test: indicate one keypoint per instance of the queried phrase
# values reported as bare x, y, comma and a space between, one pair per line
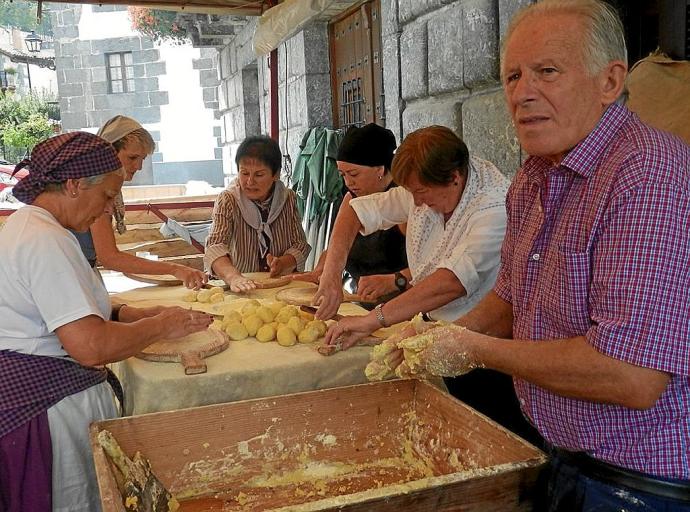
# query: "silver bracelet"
378, 310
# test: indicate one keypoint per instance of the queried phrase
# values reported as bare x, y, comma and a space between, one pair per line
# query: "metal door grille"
356, 67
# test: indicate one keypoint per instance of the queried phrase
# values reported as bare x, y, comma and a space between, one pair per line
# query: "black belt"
618, 476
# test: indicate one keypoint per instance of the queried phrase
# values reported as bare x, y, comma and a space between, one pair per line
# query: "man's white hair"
604, 37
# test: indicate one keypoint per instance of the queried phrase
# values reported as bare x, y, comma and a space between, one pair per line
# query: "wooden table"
247, 369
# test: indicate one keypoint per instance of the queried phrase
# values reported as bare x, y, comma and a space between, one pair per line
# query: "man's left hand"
450, 352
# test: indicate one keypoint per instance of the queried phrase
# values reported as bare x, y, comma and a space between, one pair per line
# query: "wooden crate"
389, 446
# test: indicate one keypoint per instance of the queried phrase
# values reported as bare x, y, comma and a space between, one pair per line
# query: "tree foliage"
24, 122
22, 14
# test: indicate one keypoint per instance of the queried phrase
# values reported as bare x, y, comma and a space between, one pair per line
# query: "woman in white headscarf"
256, 227
133, 144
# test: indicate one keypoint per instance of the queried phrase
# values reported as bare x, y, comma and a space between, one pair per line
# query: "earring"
74, 194
380, 177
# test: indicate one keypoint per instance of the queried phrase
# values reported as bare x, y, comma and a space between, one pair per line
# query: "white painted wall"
104, 25
43, 80
186, 127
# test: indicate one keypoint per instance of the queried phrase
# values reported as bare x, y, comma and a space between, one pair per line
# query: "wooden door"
357, 66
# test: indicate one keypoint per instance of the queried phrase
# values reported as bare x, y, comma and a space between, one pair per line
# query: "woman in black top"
376, 267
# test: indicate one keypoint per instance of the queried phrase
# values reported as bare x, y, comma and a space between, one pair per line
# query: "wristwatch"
400, 281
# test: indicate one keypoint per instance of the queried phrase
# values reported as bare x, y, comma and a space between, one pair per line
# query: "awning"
235, 7
284, 20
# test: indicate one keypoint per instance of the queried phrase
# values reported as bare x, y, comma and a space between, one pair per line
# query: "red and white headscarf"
66, 156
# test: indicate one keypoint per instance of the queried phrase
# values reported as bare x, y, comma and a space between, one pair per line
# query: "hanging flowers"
158, 25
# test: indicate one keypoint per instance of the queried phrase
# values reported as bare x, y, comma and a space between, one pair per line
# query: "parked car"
7, 181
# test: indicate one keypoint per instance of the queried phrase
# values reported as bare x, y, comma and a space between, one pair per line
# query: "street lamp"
33, 45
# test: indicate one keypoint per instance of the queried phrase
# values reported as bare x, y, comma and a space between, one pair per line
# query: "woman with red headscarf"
59, 329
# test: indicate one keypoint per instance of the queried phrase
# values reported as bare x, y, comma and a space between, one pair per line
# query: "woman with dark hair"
376, 264
256, 227
58, 327
455, 214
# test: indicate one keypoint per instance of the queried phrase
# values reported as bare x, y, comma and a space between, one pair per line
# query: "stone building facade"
303, 89
440, 66
172, 91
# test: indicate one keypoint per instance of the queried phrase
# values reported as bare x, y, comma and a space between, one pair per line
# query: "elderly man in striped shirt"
589, 313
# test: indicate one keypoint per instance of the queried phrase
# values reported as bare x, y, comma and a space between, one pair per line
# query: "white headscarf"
118, 127
113, 130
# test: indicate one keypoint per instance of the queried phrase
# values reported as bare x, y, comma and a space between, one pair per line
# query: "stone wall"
303, 89
441, 66
86, 103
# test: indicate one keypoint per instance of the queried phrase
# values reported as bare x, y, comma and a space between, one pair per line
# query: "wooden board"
160, 280
303, 296
189, 351
384, 447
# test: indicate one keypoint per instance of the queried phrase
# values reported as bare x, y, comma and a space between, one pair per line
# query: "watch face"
401, 282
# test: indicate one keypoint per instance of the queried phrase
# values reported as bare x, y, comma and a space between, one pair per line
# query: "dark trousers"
566, 488
492, 393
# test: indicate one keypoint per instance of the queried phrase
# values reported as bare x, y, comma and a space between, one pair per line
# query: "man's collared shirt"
599, 246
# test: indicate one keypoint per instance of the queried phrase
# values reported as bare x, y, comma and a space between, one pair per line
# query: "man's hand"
348, 331
190, 277
280, 265
372, 287
328, 298
449, 352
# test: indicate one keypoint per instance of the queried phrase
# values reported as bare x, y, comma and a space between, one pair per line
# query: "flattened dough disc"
303, 296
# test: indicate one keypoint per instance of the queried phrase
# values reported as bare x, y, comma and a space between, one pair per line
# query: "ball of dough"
266, 333
217, 324
285, 313
232, 317
265, 313
286, 337
216, 298
253, 323
204, 295
276, 306
296, 324
236, 331
216, 289
190, 296
319, 325
308, 335
248, 309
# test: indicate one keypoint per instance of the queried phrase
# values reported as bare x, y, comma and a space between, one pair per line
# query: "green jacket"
316, 169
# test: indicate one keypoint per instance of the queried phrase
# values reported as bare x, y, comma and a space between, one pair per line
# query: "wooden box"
389, 446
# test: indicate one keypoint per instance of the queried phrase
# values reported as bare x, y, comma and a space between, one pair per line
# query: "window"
357, 66
120, 72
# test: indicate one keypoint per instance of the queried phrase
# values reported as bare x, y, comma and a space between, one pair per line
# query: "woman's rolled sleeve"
476, 257
382, 210
217, 242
